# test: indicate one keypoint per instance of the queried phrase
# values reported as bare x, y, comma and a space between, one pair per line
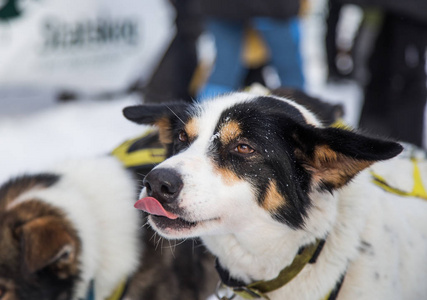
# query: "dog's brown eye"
183, 137
244, 149
2, 292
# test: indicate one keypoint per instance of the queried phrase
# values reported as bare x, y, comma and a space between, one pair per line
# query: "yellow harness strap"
118, 292
327, 296
418, 190
146, 156
340, 124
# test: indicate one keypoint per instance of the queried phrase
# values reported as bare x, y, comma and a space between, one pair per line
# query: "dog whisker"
175, 115
172, 248
137, 173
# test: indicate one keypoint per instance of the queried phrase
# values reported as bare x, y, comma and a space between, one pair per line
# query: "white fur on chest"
377, 238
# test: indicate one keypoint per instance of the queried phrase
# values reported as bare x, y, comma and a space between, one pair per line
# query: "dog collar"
259, 289
117, 294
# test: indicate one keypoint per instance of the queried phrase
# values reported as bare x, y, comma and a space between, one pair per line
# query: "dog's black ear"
163, 116
47, 243
333, 156
152, 114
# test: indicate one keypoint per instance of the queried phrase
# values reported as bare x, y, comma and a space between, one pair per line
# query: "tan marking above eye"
191, 129
229, 131
165, 135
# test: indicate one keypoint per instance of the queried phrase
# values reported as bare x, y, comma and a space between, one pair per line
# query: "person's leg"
334, 9
283, 40
171, 79
227, 73
407, 92
375, 108
396, 94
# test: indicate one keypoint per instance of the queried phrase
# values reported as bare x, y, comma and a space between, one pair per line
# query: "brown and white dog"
260, 180
69, 233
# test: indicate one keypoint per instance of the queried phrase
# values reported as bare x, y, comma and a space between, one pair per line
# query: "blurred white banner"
85, 45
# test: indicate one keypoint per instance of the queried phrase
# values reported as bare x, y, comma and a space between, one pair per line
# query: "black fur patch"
267, 125
277, 131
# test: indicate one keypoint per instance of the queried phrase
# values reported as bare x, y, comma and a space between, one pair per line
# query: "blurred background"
67, 68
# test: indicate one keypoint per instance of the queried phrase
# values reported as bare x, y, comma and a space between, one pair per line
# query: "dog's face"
240, 158
38, 249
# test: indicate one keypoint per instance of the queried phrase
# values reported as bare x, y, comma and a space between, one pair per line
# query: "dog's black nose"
163, 184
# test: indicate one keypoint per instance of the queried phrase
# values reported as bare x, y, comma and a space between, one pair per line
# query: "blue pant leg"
283, 40
228, 71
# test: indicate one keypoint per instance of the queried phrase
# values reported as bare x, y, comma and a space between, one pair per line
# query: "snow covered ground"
32, 141
39, 132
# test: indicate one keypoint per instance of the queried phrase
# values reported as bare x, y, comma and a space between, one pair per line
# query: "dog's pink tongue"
152, 206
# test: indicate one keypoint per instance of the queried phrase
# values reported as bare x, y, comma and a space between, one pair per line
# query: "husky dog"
286, 205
